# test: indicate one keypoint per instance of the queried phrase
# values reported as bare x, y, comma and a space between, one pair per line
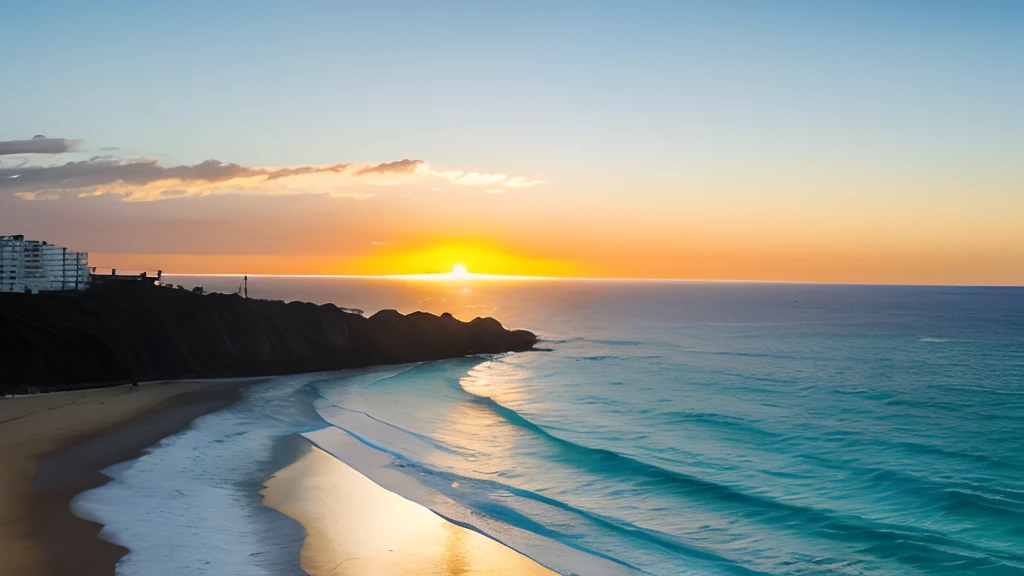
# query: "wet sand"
355, 527
53, 446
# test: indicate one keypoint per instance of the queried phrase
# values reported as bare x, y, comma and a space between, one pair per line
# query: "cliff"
114, 335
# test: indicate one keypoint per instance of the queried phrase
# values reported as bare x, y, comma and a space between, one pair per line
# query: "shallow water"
667, 428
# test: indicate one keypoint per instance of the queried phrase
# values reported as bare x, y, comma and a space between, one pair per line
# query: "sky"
875, 142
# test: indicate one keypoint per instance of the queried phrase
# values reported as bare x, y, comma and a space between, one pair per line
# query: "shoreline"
383, 533
53, 447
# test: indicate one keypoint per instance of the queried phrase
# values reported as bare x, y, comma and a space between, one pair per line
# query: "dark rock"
116, 335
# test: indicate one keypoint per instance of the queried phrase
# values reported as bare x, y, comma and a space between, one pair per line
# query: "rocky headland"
112, 335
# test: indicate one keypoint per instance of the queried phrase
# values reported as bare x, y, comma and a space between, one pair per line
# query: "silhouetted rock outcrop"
116, 335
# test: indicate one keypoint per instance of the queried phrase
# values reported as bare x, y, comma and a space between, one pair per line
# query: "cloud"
145, 179
468, 178
397, 167
520, 182
37, 145
30, 177
37, 195
479, 178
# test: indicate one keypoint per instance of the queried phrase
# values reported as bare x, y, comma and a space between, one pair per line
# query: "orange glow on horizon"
458, 258
480, 263
450, 260
561, 252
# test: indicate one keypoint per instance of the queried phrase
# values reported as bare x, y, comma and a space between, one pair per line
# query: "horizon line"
448, 277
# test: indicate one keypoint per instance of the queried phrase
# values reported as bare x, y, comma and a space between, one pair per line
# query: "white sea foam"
191, 505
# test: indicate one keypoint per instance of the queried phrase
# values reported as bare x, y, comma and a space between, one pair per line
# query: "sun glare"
459, 270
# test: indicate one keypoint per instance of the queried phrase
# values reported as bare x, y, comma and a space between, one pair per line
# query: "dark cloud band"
37, 146
103, 170
144, 179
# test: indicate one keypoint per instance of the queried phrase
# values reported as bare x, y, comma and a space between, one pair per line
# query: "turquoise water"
676, 428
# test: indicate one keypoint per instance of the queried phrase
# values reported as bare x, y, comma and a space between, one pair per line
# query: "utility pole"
246, 280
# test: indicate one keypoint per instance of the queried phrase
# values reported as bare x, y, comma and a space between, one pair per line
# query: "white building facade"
35, 266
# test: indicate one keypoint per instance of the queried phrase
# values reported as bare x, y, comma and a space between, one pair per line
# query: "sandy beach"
355, 527
52, 447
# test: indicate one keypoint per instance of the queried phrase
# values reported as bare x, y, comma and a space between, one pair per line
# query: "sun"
459, 270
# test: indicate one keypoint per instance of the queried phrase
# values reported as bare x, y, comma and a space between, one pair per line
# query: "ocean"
661, 428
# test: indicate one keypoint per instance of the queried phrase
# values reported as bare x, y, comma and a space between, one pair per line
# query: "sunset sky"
806, 141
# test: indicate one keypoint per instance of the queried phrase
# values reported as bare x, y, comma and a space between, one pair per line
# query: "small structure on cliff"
37, 266
104, 278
